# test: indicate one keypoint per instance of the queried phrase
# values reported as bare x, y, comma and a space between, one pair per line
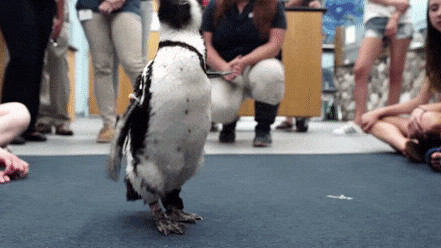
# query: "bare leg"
370, 49
14, 119
392, 131
398, 53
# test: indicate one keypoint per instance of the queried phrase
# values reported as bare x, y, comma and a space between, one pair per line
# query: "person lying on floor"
14, 120
415, 134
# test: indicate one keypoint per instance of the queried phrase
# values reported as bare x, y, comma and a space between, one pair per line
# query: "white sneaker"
348, 129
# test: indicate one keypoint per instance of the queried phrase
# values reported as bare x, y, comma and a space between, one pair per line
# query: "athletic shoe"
348, 129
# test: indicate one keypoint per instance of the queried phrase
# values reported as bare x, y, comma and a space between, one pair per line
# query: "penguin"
164, 129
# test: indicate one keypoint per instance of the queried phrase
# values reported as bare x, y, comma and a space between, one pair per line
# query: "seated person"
244, 37
414, 135
14, 120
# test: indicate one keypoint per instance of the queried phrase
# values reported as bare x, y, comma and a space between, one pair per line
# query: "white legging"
263, 82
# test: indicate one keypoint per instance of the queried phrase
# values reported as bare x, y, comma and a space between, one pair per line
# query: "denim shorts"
375, 28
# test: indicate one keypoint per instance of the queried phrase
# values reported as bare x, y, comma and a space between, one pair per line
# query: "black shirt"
235, 33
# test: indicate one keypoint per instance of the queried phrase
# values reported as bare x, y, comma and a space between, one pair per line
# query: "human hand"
14, 166
57, 25
314, 4
414, 124
235, 67
105, 8
238, 65
368, 120
108, 6
391, 27
116, 4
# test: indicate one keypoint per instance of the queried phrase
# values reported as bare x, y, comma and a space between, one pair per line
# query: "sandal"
284, 125
413, 152
429, 158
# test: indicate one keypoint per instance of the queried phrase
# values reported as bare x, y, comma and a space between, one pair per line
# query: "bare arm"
407, 107
294, 3
400, 5
214, 60
368, 119
267, 50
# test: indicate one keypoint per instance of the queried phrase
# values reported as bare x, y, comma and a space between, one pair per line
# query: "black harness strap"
170, 43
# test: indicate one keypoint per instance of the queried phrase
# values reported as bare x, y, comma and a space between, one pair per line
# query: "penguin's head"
181, 14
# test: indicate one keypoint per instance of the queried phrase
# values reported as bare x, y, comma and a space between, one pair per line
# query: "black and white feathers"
166, 124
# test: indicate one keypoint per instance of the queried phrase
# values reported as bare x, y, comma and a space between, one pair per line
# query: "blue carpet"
246, 201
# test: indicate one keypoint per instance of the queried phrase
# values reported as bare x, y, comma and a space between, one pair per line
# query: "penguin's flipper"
122, 130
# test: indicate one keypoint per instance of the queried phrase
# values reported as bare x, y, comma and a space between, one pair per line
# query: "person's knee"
225, 101
21, 115
223, 110
360, 70
267, 81
103, 67
133, 67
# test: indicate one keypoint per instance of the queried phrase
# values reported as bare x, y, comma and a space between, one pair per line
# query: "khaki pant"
264, 82
55, 87
120, 32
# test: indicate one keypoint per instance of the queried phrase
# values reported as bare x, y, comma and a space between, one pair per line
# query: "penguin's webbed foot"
164, 224
181, 216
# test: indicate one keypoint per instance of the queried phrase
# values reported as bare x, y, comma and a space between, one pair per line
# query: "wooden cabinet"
301, 56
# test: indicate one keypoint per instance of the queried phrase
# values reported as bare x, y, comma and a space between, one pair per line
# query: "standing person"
287, 124
14, 120
111, 25
244, 37
55, 89
413, 135
385, 22
26, 27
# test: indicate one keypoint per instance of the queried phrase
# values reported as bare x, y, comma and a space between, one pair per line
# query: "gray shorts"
375, 28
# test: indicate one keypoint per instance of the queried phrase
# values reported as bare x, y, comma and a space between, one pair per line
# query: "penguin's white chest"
180, 112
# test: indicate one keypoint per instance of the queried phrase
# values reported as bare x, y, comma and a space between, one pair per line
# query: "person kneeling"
249, 52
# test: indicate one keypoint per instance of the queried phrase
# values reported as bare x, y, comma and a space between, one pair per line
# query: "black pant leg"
26, 27
265, 115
